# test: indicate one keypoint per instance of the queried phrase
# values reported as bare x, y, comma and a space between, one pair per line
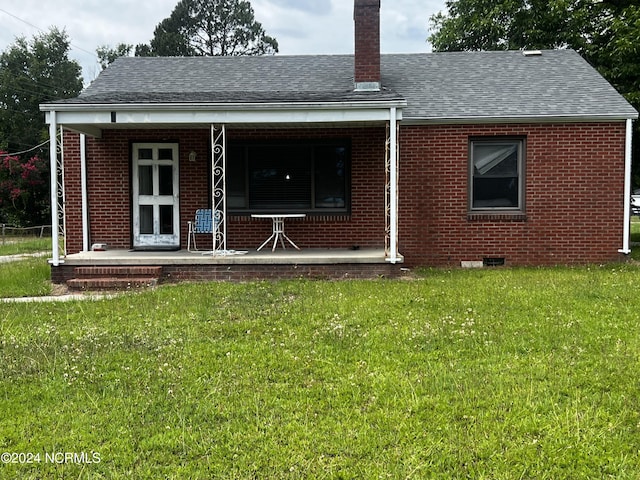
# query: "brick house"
393, 160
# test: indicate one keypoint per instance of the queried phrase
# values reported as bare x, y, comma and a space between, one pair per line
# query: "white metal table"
278, 228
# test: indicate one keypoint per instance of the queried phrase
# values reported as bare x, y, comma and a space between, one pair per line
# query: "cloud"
300, 26
404, 25
312, 27
317, 7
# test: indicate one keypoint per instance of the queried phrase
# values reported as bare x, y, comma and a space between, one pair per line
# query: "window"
291, 177
496, 176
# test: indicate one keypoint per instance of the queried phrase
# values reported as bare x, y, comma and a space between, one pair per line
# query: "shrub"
23, 190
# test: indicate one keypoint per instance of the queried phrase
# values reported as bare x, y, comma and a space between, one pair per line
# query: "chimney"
366, 15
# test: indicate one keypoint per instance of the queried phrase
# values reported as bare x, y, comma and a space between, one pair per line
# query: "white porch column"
53, 153
85, 196
393, 190
626, 232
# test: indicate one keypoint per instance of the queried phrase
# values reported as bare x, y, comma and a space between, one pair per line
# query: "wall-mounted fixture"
192, 156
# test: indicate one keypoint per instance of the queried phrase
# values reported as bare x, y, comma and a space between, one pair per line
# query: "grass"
29, 277
25, 278
635, 237
18, 245
488, 374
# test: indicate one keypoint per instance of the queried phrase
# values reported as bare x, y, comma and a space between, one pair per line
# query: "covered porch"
96, 135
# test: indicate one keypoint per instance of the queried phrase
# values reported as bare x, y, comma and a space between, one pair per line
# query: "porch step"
114, 278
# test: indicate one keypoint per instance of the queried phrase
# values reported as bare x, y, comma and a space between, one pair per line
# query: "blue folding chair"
203, 222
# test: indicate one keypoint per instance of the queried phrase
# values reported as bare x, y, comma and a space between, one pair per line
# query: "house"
390, 161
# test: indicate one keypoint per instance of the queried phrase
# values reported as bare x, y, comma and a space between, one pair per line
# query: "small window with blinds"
496, 174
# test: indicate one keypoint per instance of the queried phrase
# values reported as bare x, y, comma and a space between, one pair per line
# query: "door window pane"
146, 219
145, 180
165, 173
166, 219
165, 154
145, 154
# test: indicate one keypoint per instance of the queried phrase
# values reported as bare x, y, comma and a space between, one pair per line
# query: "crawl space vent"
493, 261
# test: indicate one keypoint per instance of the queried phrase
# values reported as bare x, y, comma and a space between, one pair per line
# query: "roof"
436, 86
248, 79
502, 84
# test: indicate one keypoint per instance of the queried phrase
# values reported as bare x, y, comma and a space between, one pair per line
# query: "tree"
513, 24
107, 55
616, 52
31, 72
209, 28
605, 32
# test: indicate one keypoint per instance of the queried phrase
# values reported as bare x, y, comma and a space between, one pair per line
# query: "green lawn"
29, 277
635, 237
488, 374
25, 278
18, 245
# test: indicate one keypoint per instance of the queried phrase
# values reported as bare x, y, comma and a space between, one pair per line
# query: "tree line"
604, 32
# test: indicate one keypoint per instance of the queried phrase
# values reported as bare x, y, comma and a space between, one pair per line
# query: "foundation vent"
493, 261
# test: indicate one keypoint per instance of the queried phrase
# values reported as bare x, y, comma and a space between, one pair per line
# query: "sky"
299, 26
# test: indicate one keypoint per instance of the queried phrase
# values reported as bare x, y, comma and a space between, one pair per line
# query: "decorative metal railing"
388, 217
218, 190
61, 208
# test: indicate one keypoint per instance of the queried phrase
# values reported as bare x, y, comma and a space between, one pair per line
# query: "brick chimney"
366, 16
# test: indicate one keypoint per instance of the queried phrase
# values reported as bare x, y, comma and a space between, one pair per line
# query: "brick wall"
73, 192
573, 193
573, 186
109, 171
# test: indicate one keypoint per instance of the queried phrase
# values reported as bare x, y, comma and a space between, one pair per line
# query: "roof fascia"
521, 119
60, 107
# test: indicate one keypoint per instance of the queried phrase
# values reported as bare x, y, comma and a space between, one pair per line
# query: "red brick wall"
109, 170
574, 196
109, 182
73, 192
573, 188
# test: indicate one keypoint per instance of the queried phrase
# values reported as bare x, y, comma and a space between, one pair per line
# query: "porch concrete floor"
309, 256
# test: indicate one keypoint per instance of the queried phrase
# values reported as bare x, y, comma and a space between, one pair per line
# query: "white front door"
156, 222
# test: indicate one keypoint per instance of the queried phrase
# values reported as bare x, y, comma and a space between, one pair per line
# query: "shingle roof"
504, 84
258, 79
501, 84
